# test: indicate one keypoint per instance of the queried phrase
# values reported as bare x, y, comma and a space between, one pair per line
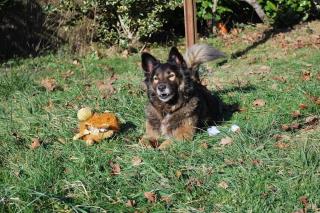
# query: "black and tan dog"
178, 103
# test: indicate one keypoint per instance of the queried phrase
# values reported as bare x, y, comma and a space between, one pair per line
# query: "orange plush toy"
94, 127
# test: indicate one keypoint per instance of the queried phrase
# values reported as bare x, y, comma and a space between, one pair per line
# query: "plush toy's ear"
175, 57
148, 63
84, 113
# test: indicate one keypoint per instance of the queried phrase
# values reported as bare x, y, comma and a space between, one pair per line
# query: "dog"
179, 104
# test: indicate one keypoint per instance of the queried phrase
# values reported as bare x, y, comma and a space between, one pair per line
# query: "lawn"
271, 165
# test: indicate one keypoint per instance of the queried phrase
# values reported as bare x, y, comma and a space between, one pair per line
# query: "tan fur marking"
185, 131
150, 132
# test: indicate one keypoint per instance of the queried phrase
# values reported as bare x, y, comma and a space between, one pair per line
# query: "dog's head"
165, 81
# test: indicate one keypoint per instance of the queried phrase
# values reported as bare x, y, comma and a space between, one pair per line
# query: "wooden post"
190, 22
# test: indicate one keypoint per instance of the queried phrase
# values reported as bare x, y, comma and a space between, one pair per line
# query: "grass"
256, 173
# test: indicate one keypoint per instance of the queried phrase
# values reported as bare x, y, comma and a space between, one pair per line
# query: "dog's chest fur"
166, 121
165, 125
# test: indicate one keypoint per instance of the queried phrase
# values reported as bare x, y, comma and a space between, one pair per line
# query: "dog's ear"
175, 57
148, 63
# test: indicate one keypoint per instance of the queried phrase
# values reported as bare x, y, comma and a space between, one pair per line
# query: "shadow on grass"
228, 109
267, 34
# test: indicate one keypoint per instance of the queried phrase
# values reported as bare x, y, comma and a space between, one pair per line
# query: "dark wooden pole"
190, 22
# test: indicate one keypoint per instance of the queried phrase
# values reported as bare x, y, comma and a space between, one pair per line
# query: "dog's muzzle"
164, 92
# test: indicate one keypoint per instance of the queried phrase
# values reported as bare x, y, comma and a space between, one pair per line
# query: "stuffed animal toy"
94, 127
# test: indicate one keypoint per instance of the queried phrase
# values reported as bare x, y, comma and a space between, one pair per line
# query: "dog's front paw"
148, 142
165, 144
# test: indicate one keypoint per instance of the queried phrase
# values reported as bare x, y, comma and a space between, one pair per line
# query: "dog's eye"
172, 76
155, 78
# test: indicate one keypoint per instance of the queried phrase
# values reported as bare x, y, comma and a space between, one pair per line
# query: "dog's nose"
161, 87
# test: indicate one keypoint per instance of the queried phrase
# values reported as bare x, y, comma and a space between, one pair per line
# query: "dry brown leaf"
279, 137
193, 182
166, 199
306, 75
49, 106
151, 197
256, 162
303, 106
280, 79
67, 74
106, 87
281, 145
318, 76
259, 103
75, 62
178, 173
131, 203
299, 211
223, 184
35, 143
226, 141
125, 54
115, 168
49, 84
312, 120
296, 114
264, 69
136, 161
229, 162
304, 200
204, 145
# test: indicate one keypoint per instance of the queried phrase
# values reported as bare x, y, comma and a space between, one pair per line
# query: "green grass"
64, 175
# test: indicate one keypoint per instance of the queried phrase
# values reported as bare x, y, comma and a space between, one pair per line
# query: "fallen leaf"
151, 197
75, 62
136, 161
115, 168
279, 137
49, 84
285, 127
226, 141
295, 126
225, 66
166, 199
67, 74
318, 76
204, 145
304, 201
106, 87
193, 182
223, 184
229, 162
125, 54
312, 120
178, 173
296, 114
314, 99
256, 162
265, 69
131, 203
281, 145
306, 75
259, 103
274, 86
35, 143
303, 106
280, 79
49, 106
299, 211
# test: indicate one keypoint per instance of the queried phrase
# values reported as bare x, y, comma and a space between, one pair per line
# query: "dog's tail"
201, 53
